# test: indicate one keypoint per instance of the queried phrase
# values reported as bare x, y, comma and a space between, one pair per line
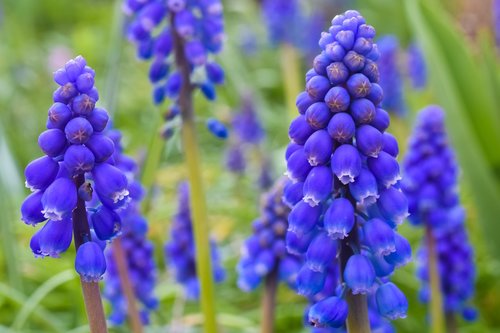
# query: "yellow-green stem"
290, 68
436, 297
197, 194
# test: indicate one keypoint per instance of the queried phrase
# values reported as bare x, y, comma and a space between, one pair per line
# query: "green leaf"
465, 93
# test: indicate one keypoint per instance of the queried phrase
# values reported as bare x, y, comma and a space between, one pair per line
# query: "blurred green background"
38, 36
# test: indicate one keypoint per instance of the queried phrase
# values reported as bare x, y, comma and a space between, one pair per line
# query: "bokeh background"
38, 36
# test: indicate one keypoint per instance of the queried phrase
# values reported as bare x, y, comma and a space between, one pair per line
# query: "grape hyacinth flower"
277, 15
264, 253
78, 162
138, 250
430, 184
390, 75
417, 68
76, 180
345, 194
246, 138
156, 26
180, 250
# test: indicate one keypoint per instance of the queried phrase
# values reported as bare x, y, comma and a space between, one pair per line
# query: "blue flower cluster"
77, 163
265, 252
154, 27
417, 68
277, 15
137, 248
180, 250
345, 192
247, 135
431, 187
391, 80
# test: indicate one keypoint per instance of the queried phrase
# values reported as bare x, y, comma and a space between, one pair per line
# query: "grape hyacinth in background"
391, 80
246, 138
138, 249
180, 250
154, 27
345, 196
78, 164
430, 184
496, 21
278, 14
264, 252
417, 68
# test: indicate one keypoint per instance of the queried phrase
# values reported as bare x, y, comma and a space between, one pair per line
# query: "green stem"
436, 301
197, 194
451, 323
290, 68
151, 163
269, 301
126, 286
91, 293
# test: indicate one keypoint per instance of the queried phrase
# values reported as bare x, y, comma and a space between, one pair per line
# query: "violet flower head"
137, 248
277, 15
417, 68
75, 148
342, 162
156, 26
200, 25
180, 250
264, 252
391, 79
430, 183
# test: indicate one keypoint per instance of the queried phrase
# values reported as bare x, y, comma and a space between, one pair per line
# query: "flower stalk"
197, 197
126, 286
436, 297
91, 293
269, 301
290, 68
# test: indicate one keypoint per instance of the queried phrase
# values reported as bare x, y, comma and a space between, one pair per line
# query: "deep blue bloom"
265, 251
74, 145
217, 128
391, 301
345, 198
90, 262
417, 67
330, 312
137, 248
199, 26
430, 183
390, 75
180, 249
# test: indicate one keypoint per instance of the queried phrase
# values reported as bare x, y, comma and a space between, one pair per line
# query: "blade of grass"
31, 304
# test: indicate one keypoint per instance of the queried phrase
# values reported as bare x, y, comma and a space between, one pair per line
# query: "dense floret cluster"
180, 250
391, 79
264, 253
430, 184
77, 166
345, 192
155, 27
138, 250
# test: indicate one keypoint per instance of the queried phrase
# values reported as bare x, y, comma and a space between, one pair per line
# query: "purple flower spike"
357, 203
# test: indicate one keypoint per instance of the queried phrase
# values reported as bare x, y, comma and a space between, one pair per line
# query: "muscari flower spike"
180, 249
264, 252
342, 162
138, 249
277, 15
75, 146
417, 68
391, 80
154, 28
430, 183
246, 136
